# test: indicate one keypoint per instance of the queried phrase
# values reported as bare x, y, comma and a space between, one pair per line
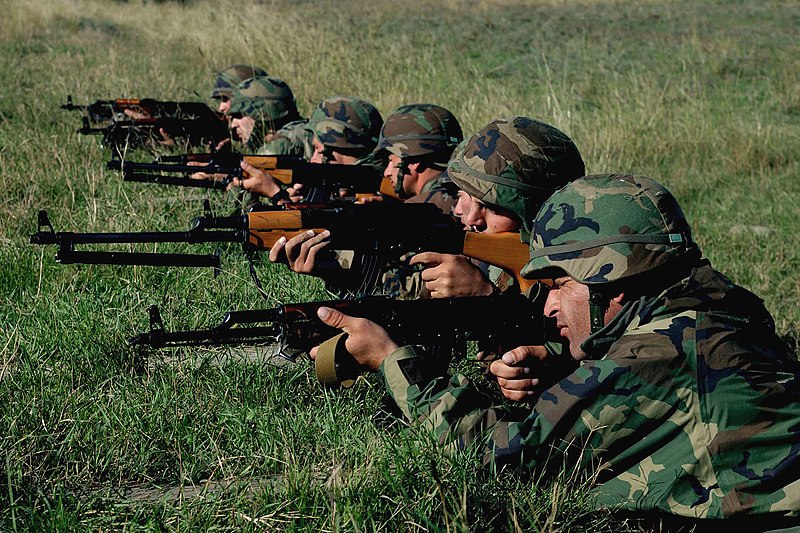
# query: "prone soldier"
504, 172
343, 130
417, 140
226, 81
685, 401
265, 118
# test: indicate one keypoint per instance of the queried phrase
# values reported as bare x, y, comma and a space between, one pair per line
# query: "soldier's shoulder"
296, 129
292, 139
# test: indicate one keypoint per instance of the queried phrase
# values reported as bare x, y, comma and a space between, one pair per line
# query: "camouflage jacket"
292, 139
440, 191
688, 404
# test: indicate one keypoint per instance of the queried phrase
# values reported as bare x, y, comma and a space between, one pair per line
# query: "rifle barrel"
68, 257
510, 319
180, 181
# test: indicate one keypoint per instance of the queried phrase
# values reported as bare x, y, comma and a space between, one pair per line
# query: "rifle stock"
504, 250
387, 189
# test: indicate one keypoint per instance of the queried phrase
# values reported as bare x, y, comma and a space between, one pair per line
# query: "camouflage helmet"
228, 79
416, 130
265, 99
515, 164
607, 227
346, 122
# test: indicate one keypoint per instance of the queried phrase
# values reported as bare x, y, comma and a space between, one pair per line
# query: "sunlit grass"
703, 96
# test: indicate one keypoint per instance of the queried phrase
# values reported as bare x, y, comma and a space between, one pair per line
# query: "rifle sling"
335, 367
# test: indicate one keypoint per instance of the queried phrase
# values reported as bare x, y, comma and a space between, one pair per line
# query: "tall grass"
701, 95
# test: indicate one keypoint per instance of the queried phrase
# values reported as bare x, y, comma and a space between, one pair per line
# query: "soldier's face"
243, 127
478, 217
391, 172
333, 157
462, 207
319, 148
224, 104
568, 303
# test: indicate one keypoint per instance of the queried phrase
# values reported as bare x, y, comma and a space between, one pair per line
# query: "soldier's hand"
166, 138
203, 175
136, 114
516, 371
450, 276
368, 198
295, 192
300, 252
223, 144
367, 342
257, 181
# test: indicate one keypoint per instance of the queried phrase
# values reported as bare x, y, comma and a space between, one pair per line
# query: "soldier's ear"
619, 299
414, 168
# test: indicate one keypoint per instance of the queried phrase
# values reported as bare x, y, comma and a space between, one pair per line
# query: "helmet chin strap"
402, 170
598, 305
327, 155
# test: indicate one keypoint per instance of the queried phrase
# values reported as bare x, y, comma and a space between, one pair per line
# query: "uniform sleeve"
278, 146
404, 281
440, 197
459, 415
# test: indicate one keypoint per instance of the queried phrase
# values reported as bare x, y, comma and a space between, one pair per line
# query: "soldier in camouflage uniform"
348, 124
419, 140
345, 131
685, 401
264, 116
227, 80
224, 85
504, 172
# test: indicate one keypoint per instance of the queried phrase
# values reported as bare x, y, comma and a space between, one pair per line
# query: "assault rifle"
194, 123
321, 182
139, 132
103, 112
372, 231
507, 319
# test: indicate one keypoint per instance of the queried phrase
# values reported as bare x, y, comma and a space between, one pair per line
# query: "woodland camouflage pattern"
609, 207
292, 139
228, 79
269, 101
346, 122
417, 130
687, 403
515, 164
263, 98
440, 191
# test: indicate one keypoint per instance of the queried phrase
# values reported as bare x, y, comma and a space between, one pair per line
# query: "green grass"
701, 95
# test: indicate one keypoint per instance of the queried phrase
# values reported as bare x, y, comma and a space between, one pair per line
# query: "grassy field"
701, 95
